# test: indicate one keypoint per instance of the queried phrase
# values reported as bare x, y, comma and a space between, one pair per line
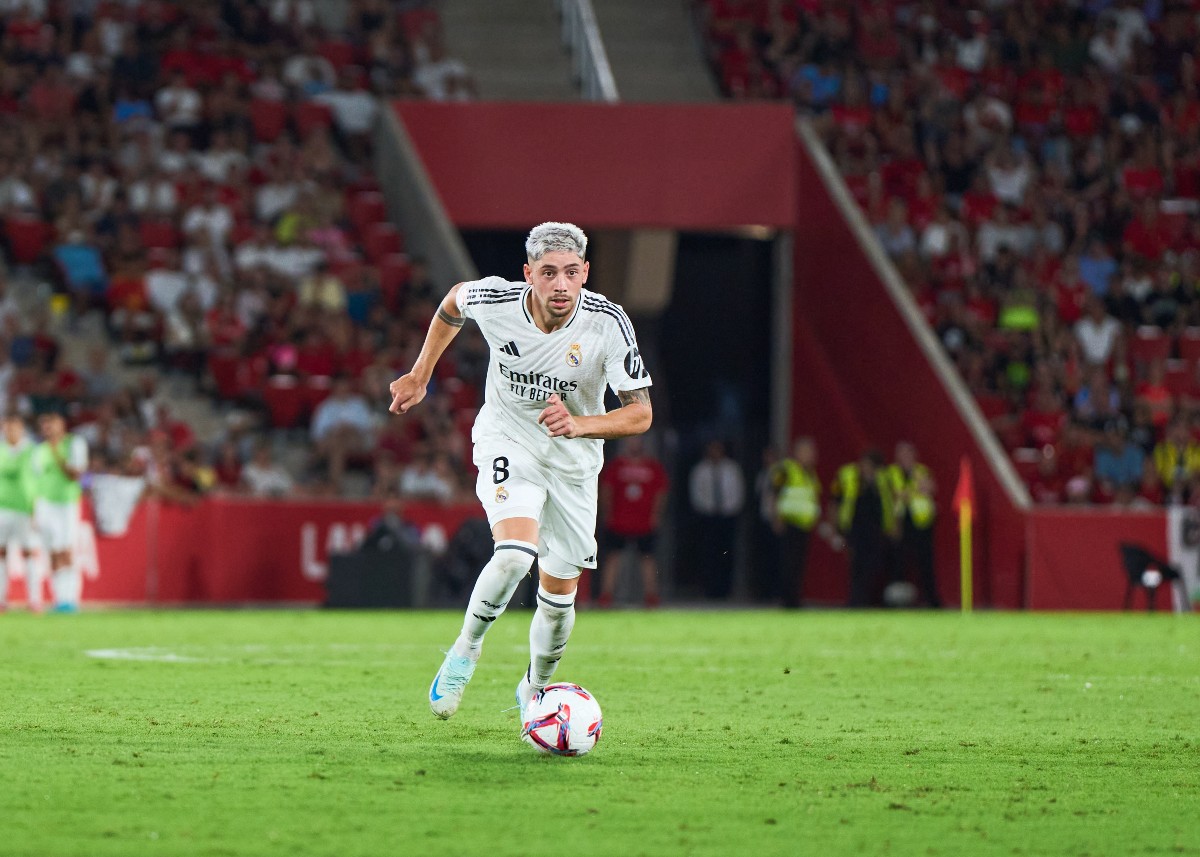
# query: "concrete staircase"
653, 51
512, 47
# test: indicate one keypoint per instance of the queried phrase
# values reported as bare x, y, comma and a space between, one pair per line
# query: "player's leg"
569, 540
613, 557
66, 581
513, 504
647, 548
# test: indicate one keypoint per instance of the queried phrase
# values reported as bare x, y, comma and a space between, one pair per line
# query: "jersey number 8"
499, 469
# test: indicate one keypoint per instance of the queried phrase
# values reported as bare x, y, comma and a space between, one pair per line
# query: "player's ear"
586, 267
528, 273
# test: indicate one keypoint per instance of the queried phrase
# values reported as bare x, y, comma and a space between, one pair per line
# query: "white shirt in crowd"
153, 196
717, 487
270, 480
165, 287
351, 411
213, 222
179, 106
354, 111
1097, 339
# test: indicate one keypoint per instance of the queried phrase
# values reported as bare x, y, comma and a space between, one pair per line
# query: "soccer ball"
564, 720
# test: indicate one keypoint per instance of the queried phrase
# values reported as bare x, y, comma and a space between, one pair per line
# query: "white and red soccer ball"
563, 720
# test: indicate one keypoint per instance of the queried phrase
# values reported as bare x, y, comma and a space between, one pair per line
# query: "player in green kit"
16, 508
59, 462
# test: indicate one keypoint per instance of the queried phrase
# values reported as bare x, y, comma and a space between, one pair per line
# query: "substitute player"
538, 439
16, 508
59, 462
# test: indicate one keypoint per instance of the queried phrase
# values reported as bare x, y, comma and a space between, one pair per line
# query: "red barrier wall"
499, 165
1073, 556
860, 375
228, 550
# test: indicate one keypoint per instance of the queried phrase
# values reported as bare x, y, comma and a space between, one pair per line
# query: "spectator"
264, 477
1177, 458
1098, 333
716, 490
342, 427
633, 493
1119, 462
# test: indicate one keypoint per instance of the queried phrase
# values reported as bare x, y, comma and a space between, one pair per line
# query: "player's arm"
73, 469
633, 417
408, 390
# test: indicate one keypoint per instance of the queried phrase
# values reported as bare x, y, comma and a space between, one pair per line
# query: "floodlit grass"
726, 733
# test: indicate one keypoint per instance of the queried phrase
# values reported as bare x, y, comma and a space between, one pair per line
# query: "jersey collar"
526, 297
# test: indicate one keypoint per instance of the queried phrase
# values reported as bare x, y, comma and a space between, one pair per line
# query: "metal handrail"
581, 35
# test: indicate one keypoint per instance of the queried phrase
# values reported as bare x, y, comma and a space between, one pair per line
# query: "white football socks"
66, 585
548, 635
511, 561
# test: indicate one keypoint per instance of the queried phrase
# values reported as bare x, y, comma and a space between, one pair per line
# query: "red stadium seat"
340, 54
1177, 376
269, 119
1189, 345
223, 366
1149, 344
284, 398
308, 116
27, 238
394, 272
366, 208
159, 234
380, 240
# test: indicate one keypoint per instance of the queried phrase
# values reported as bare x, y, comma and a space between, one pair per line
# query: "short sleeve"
624, 368
483, 293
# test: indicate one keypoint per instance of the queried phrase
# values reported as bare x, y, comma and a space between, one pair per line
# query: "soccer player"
59, 463
538, 439
16, 508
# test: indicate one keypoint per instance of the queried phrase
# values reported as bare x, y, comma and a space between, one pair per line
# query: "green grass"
726, 733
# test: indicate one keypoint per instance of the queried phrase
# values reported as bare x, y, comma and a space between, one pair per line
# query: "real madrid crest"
501, 494
574, 356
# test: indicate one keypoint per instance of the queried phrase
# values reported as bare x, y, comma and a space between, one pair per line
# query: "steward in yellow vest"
913, 490
865, 513
797, 511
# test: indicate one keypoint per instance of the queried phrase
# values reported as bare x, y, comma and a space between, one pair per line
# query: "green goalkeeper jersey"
16, 477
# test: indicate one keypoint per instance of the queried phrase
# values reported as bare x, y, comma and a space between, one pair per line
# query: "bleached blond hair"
555, 237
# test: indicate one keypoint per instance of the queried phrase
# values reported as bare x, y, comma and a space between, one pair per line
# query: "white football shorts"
57, 525
16, 528
513, 483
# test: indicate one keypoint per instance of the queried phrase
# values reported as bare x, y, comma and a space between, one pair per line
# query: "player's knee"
514, 559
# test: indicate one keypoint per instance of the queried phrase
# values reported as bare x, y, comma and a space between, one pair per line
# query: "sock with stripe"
510, 562
548, 635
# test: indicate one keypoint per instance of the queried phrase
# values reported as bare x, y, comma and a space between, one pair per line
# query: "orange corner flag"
964, 505
964, 494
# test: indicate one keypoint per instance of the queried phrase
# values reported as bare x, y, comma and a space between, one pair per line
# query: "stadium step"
654, 51
513, 48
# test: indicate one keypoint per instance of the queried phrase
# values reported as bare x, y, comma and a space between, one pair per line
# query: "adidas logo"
511, 349
591, 558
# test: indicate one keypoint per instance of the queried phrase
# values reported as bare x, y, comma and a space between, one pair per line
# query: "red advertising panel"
230, 550
1074, 556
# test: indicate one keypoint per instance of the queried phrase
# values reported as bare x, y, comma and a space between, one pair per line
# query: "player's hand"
557, 419
407, 391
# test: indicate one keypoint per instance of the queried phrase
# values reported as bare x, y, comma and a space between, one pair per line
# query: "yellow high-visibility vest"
846, 486
920, 507
799, 500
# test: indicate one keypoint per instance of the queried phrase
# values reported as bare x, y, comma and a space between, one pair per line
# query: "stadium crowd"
1033, 171
198, 175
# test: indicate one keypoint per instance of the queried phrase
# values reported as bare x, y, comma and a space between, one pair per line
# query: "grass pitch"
726, 733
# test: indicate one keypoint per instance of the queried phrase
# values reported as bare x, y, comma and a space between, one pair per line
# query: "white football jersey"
594, 349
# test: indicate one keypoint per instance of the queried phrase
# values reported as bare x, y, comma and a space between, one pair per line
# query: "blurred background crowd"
200, 268
1033, 171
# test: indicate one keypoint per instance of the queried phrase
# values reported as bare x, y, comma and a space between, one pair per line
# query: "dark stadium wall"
861, 378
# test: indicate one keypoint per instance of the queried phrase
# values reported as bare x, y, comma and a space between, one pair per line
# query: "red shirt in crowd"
635, 485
